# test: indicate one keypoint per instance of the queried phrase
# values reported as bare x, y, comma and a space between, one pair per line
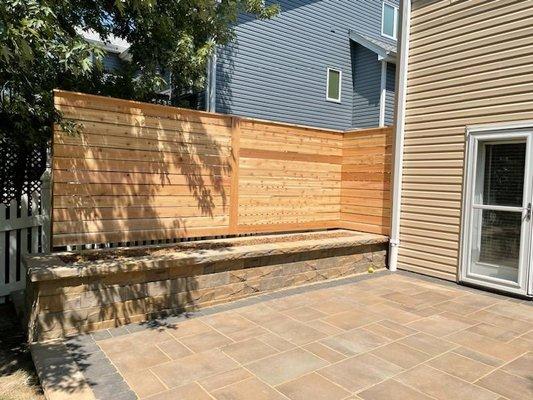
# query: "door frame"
494, 132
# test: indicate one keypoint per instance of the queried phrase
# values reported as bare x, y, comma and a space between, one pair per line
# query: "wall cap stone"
52, 267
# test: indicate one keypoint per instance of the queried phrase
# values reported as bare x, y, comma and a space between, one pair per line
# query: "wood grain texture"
297, 172
366, 175
140, 171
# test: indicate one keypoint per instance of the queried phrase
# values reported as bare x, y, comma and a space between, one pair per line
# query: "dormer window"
389, 21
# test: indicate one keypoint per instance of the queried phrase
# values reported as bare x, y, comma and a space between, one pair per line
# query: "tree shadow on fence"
147, 177
133, 176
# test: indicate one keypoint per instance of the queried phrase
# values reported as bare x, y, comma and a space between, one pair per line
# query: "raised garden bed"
83, 291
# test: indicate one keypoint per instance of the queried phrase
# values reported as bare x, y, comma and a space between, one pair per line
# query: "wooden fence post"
234, 163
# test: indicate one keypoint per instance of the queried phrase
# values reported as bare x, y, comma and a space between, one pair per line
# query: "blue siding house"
325, 63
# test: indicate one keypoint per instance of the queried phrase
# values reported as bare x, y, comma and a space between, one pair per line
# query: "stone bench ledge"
52, 267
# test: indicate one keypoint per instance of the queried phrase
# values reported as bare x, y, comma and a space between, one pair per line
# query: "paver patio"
393, 336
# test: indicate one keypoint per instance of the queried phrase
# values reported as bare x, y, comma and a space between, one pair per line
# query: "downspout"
401, 92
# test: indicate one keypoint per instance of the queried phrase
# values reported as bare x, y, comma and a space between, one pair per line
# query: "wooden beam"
234, 165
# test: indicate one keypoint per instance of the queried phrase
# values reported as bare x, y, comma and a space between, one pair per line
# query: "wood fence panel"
139, 172
366, 178
289, 176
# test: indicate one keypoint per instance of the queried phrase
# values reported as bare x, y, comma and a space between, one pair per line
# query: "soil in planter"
95, 255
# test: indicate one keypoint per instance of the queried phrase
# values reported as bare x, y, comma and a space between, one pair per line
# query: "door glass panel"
503, 181
496, 233
497, 251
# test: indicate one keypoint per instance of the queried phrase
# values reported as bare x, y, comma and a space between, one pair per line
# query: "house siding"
366, 88
469, 63
276, 69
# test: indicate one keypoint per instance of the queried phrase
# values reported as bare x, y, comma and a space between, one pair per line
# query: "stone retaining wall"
64, 306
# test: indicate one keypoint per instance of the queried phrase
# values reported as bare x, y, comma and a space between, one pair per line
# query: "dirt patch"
18, 380
118, 254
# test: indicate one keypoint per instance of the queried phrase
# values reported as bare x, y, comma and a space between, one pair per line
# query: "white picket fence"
24, 228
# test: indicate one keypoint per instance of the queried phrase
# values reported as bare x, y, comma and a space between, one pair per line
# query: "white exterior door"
496, 234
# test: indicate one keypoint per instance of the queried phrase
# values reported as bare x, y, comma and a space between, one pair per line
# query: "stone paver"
392, 390
401, 355
508, 385
248, 350
286, 366
387, 336
313, 386
443, 386
251, 388
360, 372
460, 366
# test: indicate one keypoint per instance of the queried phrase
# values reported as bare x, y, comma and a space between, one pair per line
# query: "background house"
116, 49
324, 63
280, 69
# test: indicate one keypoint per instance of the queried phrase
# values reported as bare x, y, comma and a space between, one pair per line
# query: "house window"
334, 81
389, 21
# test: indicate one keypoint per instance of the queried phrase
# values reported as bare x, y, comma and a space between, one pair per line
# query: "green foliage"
40, 50
34, 52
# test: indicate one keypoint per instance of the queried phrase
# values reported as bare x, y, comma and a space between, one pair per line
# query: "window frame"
476, 135
334, 100
395, 27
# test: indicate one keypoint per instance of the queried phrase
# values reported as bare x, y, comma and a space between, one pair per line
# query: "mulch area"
18, 380
95, 255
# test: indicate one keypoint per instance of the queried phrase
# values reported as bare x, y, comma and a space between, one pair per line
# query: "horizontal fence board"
143, 172
289, 156
142, 212
139, 224
366, 174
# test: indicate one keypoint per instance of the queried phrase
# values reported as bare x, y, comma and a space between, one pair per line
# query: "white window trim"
395, 28
340, 85
474, 135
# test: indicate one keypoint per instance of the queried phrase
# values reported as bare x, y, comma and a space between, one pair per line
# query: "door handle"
528, 211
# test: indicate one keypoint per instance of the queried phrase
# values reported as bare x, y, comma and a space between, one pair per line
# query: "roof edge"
383, 53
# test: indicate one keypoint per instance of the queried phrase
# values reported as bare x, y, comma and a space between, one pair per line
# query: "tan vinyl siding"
469, 63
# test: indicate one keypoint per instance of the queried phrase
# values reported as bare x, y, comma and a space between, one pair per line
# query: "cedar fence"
144, 172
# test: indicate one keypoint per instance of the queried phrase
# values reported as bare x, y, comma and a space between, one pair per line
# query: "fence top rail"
365, 130
144, 105
14, 224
